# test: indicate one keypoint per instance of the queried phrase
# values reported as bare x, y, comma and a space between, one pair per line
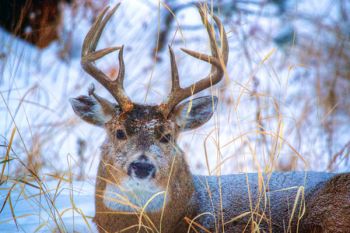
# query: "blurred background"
284, 102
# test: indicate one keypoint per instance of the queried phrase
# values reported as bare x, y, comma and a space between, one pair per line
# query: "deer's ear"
91, 111
194, 113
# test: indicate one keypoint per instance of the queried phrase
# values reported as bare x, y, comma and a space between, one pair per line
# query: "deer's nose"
142, 169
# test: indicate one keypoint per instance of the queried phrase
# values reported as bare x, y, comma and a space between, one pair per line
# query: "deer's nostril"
141, 169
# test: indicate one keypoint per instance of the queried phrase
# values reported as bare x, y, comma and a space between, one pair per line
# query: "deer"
144, 183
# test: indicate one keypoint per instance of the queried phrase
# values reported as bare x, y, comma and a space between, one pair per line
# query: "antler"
218, 60
90, 55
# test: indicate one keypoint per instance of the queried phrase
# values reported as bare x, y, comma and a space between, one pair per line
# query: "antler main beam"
218, 60
90, 55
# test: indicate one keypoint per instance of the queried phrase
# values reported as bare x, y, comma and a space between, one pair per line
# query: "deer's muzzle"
142, 169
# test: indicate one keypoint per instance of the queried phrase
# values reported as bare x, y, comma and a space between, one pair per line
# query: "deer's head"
141, 139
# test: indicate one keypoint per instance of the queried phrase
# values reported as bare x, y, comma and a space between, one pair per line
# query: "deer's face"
141, 144
140, 150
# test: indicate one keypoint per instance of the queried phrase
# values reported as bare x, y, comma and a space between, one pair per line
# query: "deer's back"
239, 199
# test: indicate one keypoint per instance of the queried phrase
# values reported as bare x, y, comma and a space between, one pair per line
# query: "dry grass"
281, 109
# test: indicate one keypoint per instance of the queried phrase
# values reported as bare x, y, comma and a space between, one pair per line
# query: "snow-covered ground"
35, 87
68, 205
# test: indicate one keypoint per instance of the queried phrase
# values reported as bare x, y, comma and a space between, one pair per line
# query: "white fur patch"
98, 114
133, 195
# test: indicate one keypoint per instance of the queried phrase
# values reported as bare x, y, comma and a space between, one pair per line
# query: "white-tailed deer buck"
144, 183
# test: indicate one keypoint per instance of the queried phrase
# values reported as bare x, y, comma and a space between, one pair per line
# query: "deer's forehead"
143, 119
153, 126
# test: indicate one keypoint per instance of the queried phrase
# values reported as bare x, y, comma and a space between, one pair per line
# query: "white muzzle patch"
133, 196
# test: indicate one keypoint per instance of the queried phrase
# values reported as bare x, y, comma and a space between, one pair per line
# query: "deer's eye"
120, 134
166, 138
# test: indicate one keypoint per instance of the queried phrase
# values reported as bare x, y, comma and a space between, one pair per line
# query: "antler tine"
218, 60
175, 80
90, 55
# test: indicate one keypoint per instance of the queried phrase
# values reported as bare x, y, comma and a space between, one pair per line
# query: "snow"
45, 112
38, 212
35, 87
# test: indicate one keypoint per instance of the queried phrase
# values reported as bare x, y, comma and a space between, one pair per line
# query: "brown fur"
328, 208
